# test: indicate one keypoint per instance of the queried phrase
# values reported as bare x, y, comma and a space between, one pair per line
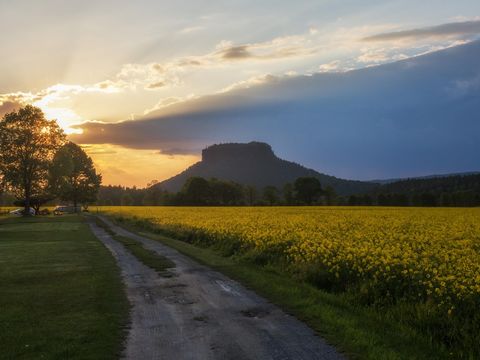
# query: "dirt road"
198, 313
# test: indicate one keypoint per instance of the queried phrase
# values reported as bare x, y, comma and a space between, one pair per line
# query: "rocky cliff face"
253, 151
256, 164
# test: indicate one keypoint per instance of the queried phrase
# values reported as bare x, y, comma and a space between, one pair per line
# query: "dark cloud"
189, 62
236, 52
393, 120
156, 85
180, 151
245, 52
168, 136
439, 31
158, 67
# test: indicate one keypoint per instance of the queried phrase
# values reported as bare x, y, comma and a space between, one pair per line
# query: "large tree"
270, 195
288, 194
28, 143
196, 191
225, 192
73, 176
307, 190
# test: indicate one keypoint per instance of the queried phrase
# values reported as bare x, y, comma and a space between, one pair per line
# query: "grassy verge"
147, 257
360, 332
61, 291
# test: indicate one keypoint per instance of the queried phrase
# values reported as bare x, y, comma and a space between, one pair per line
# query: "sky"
217, 71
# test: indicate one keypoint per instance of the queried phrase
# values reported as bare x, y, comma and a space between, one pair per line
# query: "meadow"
61, 291
416, 266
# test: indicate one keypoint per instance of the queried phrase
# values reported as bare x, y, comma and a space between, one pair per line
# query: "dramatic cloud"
140, 89
236, 52
439, 31
180, 151
156, 85
55, 101
395, 119
201, 73
11, 102
279, 48
159, 75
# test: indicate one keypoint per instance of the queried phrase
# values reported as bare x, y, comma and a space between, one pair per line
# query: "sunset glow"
219, 180
115, 162
152, 65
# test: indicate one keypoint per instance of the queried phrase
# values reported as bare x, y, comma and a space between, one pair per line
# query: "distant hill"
434, 184
256, 164
436, 190
389, 181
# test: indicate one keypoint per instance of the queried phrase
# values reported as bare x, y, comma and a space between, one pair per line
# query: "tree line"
198, 191
447, 191
455, 190
467, 198
38, 164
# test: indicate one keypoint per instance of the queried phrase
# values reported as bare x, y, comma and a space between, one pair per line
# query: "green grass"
61, 294
149, 258
359, 331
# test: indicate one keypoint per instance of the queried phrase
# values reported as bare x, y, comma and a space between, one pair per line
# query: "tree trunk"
26, 210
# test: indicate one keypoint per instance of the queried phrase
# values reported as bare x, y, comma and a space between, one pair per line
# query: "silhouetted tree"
445, 199
366, 200
28, 143
250, 195
307, 190
459, 190
352, 200
455, 190
196, 191
153, 196
428, 199
288, 194
73, 176
126, 200
330, 196
225, 193
270, 195
151, 183
401, 200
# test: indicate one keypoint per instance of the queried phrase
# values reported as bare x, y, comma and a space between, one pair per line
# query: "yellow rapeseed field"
420, 255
